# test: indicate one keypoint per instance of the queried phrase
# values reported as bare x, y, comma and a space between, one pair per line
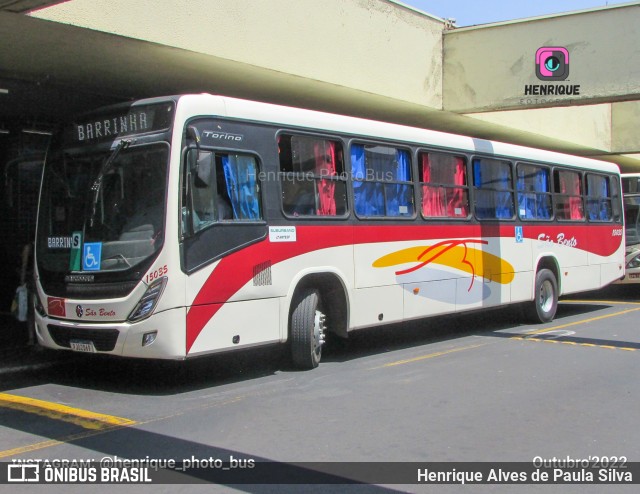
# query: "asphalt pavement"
16, 354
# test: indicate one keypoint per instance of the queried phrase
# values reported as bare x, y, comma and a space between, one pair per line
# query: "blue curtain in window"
359, 173
494, 201
402, 172
534, 203
399, 196
484, 207
597, 199
240, 176
603, 194
368, 196
543, 206
377, 166
526, 201
504, 207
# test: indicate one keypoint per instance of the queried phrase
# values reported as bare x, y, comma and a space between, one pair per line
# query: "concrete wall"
588, 125
371, 58
375, 46
610, 127
625, 123
487, 68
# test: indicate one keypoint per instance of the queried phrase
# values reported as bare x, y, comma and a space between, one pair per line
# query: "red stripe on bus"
237, 269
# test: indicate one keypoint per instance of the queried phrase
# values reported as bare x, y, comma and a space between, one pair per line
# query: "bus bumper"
160, 336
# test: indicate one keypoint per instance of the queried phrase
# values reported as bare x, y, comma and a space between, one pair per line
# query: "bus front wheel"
307, 330
545, 301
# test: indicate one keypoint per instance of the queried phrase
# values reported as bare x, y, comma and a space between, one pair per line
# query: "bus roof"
206, 104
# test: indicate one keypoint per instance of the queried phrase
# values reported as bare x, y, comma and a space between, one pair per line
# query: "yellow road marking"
583, 321
575, 343
53, 442
81, 435
537, 331
431, 355
77, 416
609, 302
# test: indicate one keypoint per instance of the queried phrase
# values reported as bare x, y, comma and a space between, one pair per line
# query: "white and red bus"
183, 226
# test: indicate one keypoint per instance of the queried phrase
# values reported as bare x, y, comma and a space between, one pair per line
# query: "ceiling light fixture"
37, 132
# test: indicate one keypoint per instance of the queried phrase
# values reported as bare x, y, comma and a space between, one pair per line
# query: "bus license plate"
82, 346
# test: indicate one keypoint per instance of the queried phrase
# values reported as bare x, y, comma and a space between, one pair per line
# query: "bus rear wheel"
545, 301
307, 330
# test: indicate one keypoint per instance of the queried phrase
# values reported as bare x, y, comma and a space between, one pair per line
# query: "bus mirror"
193, 133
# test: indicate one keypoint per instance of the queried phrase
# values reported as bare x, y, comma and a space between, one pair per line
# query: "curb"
26, 359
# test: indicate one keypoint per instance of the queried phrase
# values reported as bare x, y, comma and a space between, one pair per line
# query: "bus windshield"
102, 211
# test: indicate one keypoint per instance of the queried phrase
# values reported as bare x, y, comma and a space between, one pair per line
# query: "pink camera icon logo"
552, 63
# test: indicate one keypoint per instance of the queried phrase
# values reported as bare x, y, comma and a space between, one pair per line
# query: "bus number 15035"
155, 274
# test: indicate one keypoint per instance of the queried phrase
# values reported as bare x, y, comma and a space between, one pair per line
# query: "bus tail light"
149, 300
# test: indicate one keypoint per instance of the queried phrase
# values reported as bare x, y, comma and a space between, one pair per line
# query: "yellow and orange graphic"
454, 254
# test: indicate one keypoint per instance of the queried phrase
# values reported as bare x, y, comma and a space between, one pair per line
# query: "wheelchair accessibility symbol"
519, 235
91, 256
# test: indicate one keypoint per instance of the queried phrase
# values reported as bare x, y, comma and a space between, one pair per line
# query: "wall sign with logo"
552, 63
551, 66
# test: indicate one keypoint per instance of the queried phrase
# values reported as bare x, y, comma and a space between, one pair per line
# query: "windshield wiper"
119, 257
97, 184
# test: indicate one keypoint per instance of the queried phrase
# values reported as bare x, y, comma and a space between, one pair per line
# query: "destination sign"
121, 122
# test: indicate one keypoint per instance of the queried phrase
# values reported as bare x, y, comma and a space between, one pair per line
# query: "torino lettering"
133, 122
222, 135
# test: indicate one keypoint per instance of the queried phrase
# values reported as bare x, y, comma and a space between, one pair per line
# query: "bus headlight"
149, 300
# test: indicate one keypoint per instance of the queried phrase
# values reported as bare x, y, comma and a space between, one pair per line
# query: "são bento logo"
551, 66
552, 63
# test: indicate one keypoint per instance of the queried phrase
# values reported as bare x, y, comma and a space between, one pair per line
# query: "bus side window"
616, 199
443, 179
598, 198
238, 194
534, 192
312, 176
382, 185
568, 195
202, 191
493, 189
219, 187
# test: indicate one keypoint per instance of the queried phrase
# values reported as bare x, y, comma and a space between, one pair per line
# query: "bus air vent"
262, 274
